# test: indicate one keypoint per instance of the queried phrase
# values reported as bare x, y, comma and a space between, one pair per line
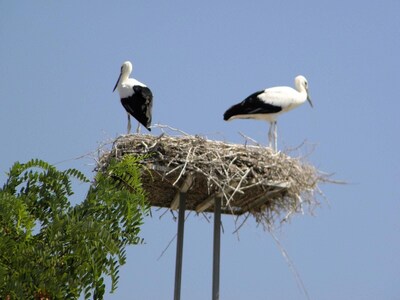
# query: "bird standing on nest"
268, 104
136, 98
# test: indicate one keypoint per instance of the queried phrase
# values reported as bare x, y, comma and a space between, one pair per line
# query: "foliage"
52, 249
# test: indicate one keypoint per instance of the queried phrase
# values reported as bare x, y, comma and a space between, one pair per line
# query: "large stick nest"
249, 179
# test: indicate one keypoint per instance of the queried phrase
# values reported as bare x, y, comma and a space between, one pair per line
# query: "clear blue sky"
59, 63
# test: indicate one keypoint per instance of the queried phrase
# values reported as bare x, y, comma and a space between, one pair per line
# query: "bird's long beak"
309, 99
117, 82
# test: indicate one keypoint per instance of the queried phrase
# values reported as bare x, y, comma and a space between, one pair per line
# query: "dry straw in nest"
252, 180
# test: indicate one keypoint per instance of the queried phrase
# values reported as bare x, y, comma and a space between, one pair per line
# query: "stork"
136, 98
268, 104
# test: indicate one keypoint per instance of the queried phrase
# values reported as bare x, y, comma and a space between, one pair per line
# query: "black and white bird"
136, 97
269, 104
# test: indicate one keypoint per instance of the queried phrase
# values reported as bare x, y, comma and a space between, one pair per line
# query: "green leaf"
49, 247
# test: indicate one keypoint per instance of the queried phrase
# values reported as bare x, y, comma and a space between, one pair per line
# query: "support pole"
179, 246
216, 248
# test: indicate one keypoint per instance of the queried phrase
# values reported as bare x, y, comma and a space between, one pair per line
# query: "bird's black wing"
140, 105
251, 105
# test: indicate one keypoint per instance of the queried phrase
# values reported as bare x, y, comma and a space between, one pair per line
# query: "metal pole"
216, 248
179, 246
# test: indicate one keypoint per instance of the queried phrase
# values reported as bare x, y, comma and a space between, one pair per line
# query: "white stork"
269, 104
136, 98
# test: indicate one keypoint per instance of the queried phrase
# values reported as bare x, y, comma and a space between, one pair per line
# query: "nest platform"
248, 179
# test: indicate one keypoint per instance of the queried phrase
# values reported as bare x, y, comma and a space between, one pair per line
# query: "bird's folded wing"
139, 105
253, 104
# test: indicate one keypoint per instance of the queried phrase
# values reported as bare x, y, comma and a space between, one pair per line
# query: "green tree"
52, 249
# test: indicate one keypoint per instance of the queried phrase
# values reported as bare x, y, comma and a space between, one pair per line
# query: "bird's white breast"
125, 88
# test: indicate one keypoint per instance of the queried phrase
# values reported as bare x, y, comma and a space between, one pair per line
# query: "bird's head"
301, 84
126, 70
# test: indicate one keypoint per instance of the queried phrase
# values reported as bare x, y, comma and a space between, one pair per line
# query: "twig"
240, 226
238, 186
184, 167
170, 128
173, 238
250, 139
291, 265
